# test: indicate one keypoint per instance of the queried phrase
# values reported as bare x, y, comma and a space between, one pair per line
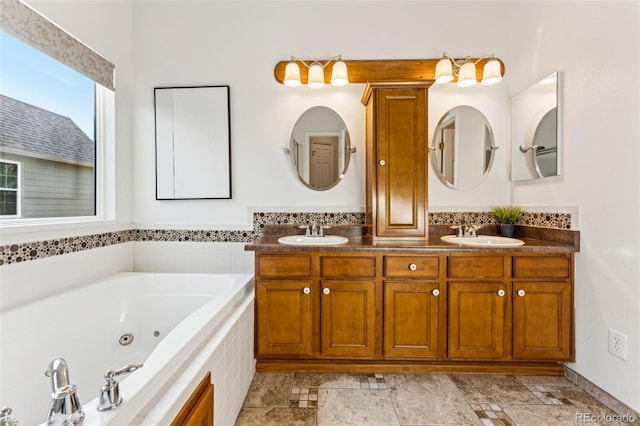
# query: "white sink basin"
301, 240
483, 241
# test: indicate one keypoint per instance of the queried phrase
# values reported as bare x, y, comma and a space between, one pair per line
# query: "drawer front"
541, 267
347, 267
411, 267
284, 266
476, 266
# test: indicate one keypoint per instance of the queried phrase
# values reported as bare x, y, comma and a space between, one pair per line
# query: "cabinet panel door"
477, 320
411, 319
348, 318
401, 162
202, 414
542, 321
284, 317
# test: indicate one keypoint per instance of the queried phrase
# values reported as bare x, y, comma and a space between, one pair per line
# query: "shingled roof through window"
32, 131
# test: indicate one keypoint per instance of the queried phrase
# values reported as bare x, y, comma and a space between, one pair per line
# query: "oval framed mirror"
463, 148
320, 148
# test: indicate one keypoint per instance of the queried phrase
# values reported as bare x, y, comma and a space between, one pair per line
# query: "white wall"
596, 47
239, 43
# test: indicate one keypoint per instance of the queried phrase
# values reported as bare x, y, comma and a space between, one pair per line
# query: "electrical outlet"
618, 344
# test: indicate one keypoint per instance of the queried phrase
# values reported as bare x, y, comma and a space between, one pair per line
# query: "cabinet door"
477, 320
411, 319
348, 318
284, 317
542, 321
401, 162
202, 414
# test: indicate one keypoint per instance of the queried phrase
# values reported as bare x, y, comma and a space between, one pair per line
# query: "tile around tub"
276, 416
494, 389
429, 399
355, 407
269, 390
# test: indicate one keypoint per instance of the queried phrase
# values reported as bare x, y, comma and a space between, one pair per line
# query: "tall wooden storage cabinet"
396, 127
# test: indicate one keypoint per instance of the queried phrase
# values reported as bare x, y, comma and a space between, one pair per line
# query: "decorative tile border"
16, 253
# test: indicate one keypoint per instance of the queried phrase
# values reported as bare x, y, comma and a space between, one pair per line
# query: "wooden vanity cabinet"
413, 303
414, 309
314, 306
283, 304
478, 307
396, 164
516, 307
348, 306
543, 307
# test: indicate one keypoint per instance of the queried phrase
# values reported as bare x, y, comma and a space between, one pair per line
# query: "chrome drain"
126, 339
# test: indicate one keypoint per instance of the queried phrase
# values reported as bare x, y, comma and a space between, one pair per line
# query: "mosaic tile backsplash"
16, 253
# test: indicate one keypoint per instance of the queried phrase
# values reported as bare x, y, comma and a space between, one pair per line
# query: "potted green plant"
507, 216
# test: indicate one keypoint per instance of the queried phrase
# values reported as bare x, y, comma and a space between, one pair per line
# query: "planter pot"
507, 229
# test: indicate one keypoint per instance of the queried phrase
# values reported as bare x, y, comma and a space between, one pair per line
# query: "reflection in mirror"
535, 132
320, 148
462, 149
193, 143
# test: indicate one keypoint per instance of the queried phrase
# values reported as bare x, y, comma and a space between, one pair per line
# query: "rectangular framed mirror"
193, 142
535, 130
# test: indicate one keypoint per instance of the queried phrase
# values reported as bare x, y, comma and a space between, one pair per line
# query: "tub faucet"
66, 408
6, 419
109, 396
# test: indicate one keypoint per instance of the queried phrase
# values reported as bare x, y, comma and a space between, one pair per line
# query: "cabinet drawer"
411, 266
476, 266
541, 267
284, 266
347, 267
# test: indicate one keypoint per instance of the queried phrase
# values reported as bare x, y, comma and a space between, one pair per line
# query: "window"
47, 125
9, 189
61, 126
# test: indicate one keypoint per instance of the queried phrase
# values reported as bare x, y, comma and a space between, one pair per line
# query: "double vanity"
432, 305
398, 293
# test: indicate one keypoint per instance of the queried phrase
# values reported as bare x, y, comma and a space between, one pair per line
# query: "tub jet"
126, 339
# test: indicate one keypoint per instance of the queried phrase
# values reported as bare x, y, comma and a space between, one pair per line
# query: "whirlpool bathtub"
181, 326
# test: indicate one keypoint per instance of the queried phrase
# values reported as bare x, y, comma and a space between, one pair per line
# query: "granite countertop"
536, 240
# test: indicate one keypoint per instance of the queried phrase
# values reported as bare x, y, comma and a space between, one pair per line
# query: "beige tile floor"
418, 399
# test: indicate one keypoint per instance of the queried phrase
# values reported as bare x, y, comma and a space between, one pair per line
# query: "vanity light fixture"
339, 76
465, 70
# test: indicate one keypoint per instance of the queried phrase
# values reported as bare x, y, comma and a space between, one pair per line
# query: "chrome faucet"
5, 417
467, 230
314, 230
110, 391
66, 408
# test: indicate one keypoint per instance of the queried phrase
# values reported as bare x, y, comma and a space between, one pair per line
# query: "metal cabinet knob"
435, 292
326, 291
413, 266
306, 290
500, 293
521, 293
382, 162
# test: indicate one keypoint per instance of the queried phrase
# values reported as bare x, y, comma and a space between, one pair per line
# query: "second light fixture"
465, 69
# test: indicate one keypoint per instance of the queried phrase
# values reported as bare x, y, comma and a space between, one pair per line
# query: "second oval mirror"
462, 148
320, 148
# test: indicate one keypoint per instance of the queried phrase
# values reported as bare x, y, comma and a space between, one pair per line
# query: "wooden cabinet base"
370, 367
